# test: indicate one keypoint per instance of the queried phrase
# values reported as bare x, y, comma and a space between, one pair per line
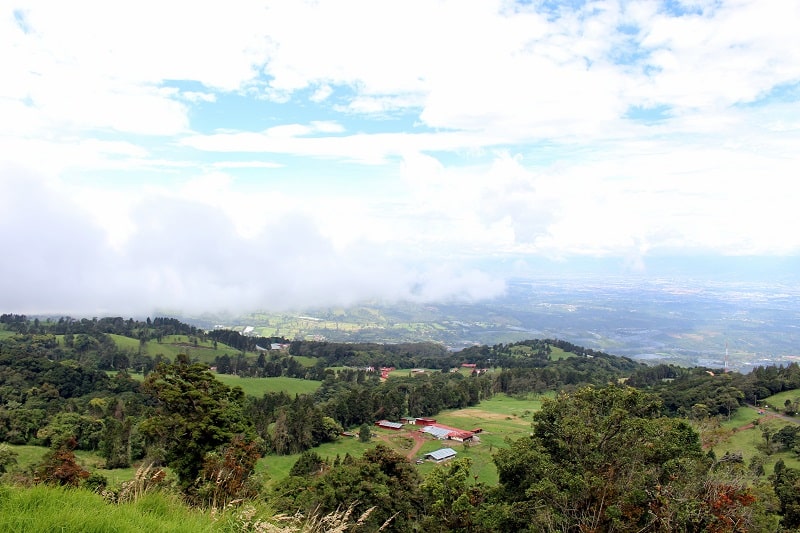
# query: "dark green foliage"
115, 445
605, 459
451, 501
87, 431
786, 484
309, 463
95, 482
717, 393
195, 415
364, 433
381, 479
8, 458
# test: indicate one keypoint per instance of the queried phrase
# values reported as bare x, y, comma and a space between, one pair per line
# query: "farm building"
385, 424
440, 455
439, 433
445, 432
460, 436
424, 421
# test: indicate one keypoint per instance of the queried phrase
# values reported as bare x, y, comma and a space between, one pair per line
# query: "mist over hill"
687, 322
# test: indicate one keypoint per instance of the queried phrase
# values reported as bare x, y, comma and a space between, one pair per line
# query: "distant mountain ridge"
664, 320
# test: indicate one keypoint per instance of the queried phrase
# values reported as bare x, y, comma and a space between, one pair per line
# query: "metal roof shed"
441, 454
439, 433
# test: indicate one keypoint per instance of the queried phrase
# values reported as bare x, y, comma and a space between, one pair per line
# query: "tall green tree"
604, 459
450, 499
195, 414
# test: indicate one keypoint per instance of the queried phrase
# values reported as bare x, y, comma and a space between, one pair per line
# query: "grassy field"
741, 435
172, 345
258, 386
777, 401
32, 455
276, 467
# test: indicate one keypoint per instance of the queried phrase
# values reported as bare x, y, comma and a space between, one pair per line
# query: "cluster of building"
431, 427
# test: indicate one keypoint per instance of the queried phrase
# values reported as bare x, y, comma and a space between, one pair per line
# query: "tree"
605, 459
786, 484
196, 414
364, 432
60, 467
8, 457
308, 463
450, 501
382, 479
226, 476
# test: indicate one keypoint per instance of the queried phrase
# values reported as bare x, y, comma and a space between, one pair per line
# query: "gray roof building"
441, 454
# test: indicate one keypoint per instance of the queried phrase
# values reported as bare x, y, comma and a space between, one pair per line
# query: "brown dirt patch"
419, 440
482, 415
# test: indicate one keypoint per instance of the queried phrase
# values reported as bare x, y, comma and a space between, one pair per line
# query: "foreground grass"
42, 508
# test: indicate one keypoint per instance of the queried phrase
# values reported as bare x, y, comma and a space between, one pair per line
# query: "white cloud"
246, 164
477, 129
184, 252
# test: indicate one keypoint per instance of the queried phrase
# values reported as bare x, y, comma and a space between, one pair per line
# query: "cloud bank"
274, 154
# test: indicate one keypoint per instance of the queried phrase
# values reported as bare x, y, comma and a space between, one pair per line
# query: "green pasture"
556, 354
173, 345
30, 456
259, 386
776, 402
122, 342
276, 467
740, 437
304, 360
204, 351
500, 417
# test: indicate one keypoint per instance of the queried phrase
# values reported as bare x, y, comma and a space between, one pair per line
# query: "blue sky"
271, 155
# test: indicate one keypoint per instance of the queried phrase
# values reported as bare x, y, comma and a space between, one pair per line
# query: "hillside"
295, 426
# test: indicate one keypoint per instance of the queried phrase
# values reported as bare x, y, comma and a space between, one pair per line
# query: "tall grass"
46, 508
43, 508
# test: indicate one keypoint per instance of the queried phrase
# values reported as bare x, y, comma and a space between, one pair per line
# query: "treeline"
136, 329
539, 375
700, 392
403, 355
269, 364
40, 377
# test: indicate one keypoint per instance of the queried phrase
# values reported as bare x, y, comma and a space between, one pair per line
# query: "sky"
202, 157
